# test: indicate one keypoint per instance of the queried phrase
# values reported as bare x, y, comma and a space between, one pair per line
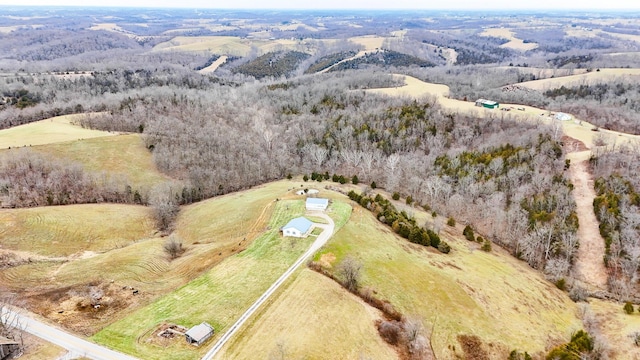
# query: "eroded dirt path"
589, 265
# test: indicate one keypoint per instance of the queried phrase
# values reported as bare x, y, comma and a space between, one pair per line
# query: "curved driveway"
320, 241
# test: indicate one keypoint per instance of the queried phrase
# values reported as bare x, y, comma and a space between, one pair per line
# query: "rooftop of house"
301, 224
200, 331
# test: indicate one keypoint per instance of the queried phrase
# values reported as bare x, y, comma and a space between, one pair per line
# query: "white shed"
317, 204
298, 227
562, 116
199, 334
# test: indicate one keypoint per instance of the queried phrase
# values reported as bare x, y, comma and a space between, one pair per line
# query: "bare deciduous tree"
349, 269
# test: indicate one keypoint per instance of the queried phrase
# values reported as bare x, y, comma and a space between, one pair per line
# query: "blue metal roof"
317, 201
301, 224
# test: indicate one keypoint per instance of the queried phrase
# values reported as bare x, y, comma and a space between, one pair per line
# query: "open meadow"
229, 289
505, 303
47, 131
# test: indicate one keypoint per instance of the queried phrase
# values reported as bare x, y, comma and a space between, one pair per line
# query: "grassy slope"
314, 318
616, 327
493, 296
47, 131
123, 155
67, 230
218, 297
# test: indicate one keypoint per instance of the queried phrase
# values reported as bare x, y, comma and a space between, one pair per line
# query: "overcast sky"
349, 4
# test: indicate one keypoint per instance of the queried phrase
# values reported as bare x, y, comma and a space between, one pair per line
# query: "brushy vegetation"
273, 64
385, 58
328, 60
399, 221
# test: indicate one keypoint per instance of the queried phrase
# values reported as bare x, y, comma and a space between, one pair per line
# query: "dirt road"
589, 264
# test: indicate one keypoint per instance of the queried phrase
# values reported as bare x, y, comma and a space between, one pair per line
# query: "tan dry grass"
53, 130
589, 78
312, 318
370, 42
413, 88
119, 156
229, 45
616, 327
73, 229
492, 295
514, 42
214, 66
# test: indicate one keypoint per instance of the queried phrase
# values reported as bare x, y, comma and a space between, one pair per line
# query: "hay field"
616, 327
413, 88
73, 229
229, 45
313, 318
370, 42
514, 43
219, 296
119, 156
492, 295
53, 130
213, 67
592, 77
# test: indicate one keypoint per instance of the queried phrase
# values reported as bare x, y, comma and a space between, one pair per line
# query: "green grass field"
218, 297
491, 295
57, 129
122, 156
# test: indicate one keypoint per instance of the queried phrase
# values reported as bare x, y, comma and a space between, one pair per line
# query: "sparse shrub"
579, 347
468, 233
444, 248
349, 270
434, 214
451, 221
354, 180
409, 200
516, 355
173, 247
390, 331
486, 246
578, 293
395, 196
561, 284
636, 338
374, 185
289, 176
628, 308
480, 239
305, 178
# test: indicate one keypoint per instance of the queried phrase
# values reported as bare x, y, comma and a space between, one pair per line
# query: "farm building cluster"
301, 227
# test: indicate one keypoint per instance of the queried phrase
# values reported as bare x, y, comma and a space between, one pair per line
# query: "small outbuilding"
562, 116
298, 227
316, 204
488, 104
7, 347
198, 334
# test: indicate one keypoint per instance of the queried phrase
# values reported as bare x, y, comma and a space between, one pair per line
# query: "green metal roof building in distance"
489, 104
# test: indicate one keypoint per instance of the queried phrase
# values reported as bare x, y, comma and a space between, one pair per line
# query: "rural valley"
315, 184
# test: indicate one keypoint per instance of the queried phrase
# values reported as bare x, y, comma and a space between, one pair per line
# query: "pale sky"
350, 4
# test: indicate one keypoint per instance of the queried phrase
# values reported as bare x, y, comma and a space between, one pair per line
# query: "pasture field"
219, 296
227, 45
313, 318
38, 349
60, 231
48, 131
589, 78
617, 327
213, 67
119, 156
514, 43
505, 303
370, 42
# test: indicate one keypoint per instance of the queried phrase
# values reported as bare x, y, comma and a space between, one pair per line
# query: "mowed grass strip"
123, 156
53, 130
491, 295
72, 229
314, 318
218, 297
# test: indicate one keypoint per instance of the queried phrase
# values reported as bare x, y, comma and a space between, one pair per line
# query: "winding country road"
320, 241
72, 343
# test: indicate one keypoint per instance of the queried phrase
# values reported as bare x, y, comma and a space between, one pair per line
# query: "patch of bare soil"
83, 308
589, 265
167, 334
572, 145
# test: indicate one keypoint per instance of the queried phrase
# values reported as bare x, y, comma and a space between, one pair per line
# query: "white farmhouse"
298, 227
317, 204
